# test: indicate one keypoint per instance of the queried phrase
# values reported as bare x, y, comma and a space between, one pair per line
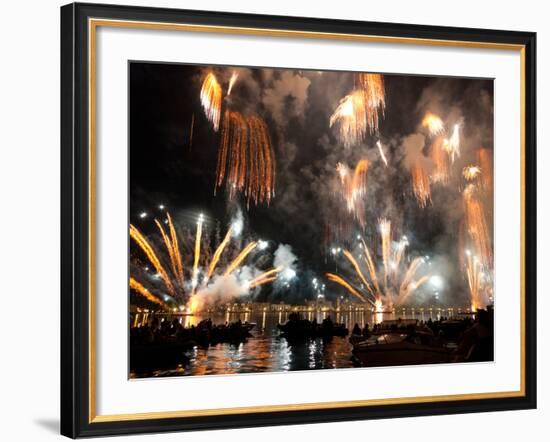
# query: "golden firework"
232, 81
358, 270
452, 145
486, 164
400, 279
197, 253
381, 151
339, 280
218, 253
211, 99
471, 172
172, 247
440, 160
142, 242
476, 277
264, 278
240, 258
354, 188
385, 235
408, 283
350, 117
421, 184
246, 161
375, 98
172, 275
254, 284
361, 110
434, 124
476, 226
139, 288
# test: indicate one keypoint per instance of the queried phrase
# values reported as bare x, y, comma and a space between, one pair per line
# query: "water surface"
266, 351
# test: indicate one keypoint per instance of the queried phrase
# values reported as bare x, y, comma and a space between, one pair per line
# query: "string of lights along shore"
379, 196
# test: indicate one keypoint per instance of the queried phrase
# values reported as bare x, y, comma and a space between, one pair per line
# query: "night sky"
296, 105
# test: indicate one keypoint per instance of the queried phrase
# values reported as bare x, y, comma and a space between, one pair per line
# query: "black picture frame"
76, 417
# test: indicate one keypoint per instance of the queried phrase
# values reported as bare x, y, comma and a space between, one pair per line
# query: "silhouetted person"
477, 343
366, 331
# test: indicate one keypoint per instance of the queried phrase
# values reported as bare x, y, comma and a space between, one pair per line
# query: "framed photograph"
280, 220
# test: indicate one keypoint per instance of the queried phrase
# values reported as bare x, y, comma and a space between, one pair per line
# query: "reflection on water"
266, 351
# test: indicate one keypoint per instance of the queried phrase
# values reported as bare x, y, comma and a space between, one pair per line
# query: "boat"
166, 347
395, 324
170, 353
400, 347
298, 328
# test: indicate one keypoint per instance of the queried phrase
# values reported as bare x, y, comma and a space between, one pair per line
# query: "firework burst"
476, 226
375, 98
478, 282
434, 124
360, 111
381, 152
350, 117
399, 279
232, 82
211, 99
452, 145
139, 288
341, 281
153, 258
354, 187
486, 165
246, 162
440, 160
266, 277
385, 234
471, 172
421, 184
197, 253
199, 270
